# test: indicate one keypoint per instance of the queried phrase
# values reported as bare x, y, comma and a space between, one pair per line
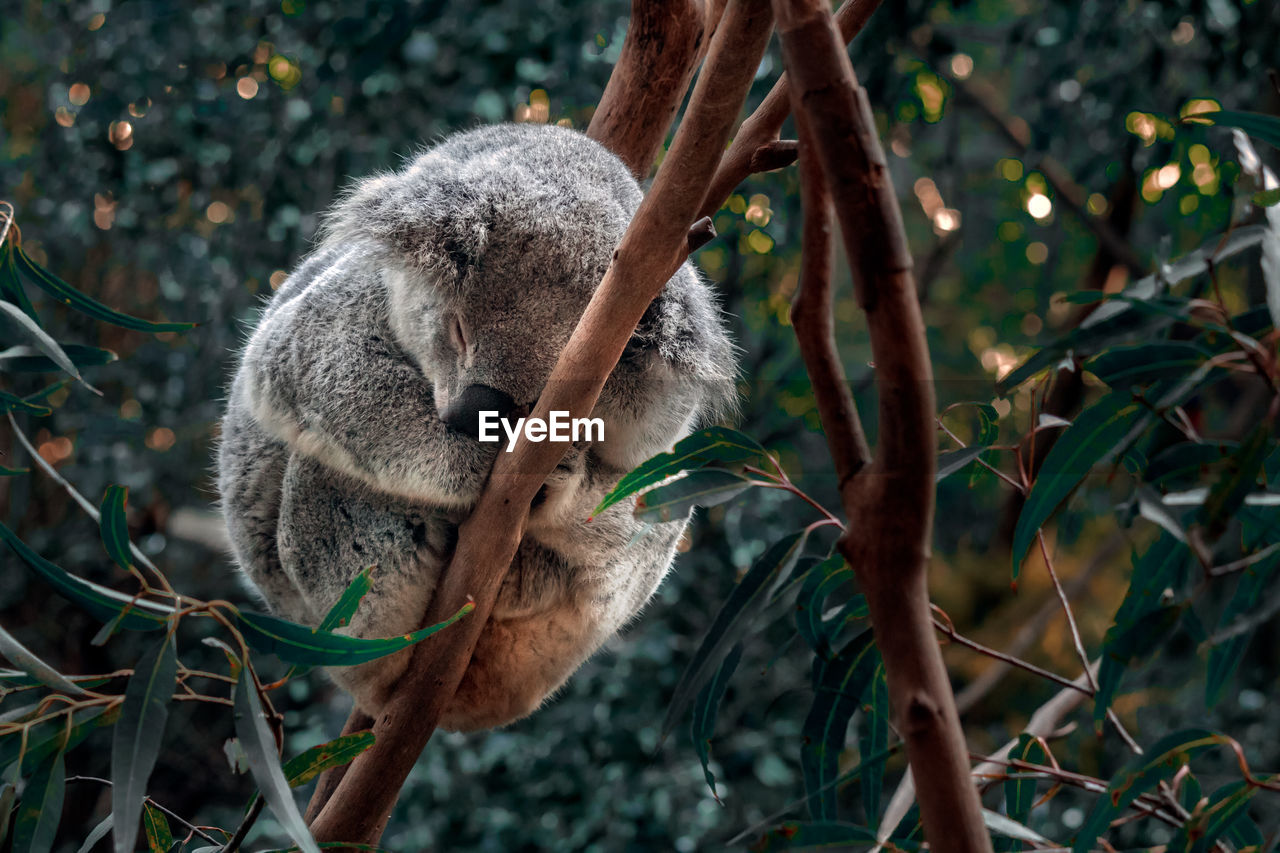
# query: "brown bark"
889, 503
652, 249
665, 41
761, 128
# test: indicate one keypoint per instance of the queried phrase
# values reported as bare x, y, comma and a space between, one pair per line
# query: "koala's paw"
559, 494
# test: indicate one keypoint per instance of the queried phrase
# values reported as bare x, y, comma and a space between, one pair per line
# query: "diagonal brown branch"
652, 249
665, 41
890, 502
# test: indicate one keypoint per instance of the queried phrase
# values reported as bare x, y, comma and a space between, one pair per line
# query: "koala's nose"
463, 412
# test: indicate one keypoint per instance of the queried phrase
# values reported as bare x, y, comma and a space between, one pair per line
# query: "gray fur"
334, 456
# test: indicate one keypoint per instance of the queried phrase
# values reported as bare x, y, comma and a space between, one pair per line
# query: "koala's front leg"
332, 527
323, 373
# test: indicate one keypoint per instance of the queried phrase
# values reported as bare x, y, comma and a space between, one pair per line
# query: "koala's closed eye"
458, 334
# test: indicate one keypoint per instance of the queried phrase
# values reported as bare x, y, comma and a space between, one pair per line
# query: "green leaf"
11, 286
25, 359
1225, 656
299, 644
1187, 461
55, 735
13, 472
1228, 494
745, 603
1267, 198
68, 295
817, 835
156, 827
99, 832
1139, 311
1142, 774
41, 808
1228, 807
135, 744
713, 445
822, 580
264, 762
114, 526
12, 403
1095, 437
705, 709
339, 616
873, 741
25, 660
104, 603
838, 688
305, 766
1122, 367
706, 487
42, 340
1257, 125
1012, 830
1144, 617
1020, 793
956, 460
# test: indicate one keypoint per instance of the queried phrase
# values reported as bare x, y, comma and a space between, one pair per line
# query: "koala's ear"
685, 328
423, 219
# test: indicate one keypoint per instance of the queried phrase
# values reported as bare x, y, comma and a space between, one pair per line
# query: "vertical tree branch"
811, 317
761, 128
653, 247
664, 43
890, 502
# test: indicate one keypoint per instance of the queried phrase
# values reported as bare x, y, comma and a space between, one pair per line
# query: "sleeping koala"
350, 437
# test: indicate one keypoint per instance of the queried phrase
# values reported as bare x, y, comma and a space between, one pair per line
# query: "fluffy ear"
685, 326
425, 218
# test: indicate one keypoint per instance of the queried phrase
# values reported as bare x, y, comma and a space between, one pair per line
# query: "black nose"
463, 412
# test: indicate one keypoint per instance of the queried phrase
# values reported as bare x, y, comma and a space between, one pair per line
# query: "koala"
350, 437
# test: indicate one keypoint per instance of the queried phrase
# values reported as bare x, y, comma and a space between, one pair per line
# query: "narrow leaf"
705, 709
114, 526
873, 741
1143, 773
1122, 367
104, 603
716, 444
745, 603
135, 744
838, 689
12, 403
40, 337
818, 835
299, 644
1094, 438
304, 767
345, 607
956, 460
264, 762
99, 832
1257, 125
41, 808
1225, 657
1020, 794
706, 487
156, 827
25, 660
25, 359
68, 295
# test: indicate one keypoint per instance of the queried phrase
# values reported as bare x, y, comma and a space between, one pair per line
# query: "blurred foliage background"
172, 160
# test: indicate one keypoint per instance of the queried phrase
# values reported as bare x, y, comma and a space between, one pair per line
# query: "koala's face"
491, 344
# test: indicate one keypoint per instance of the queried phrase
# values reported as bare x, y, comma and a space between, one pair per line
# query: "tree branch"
652, 249
665, 41
760, 129
890, 502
